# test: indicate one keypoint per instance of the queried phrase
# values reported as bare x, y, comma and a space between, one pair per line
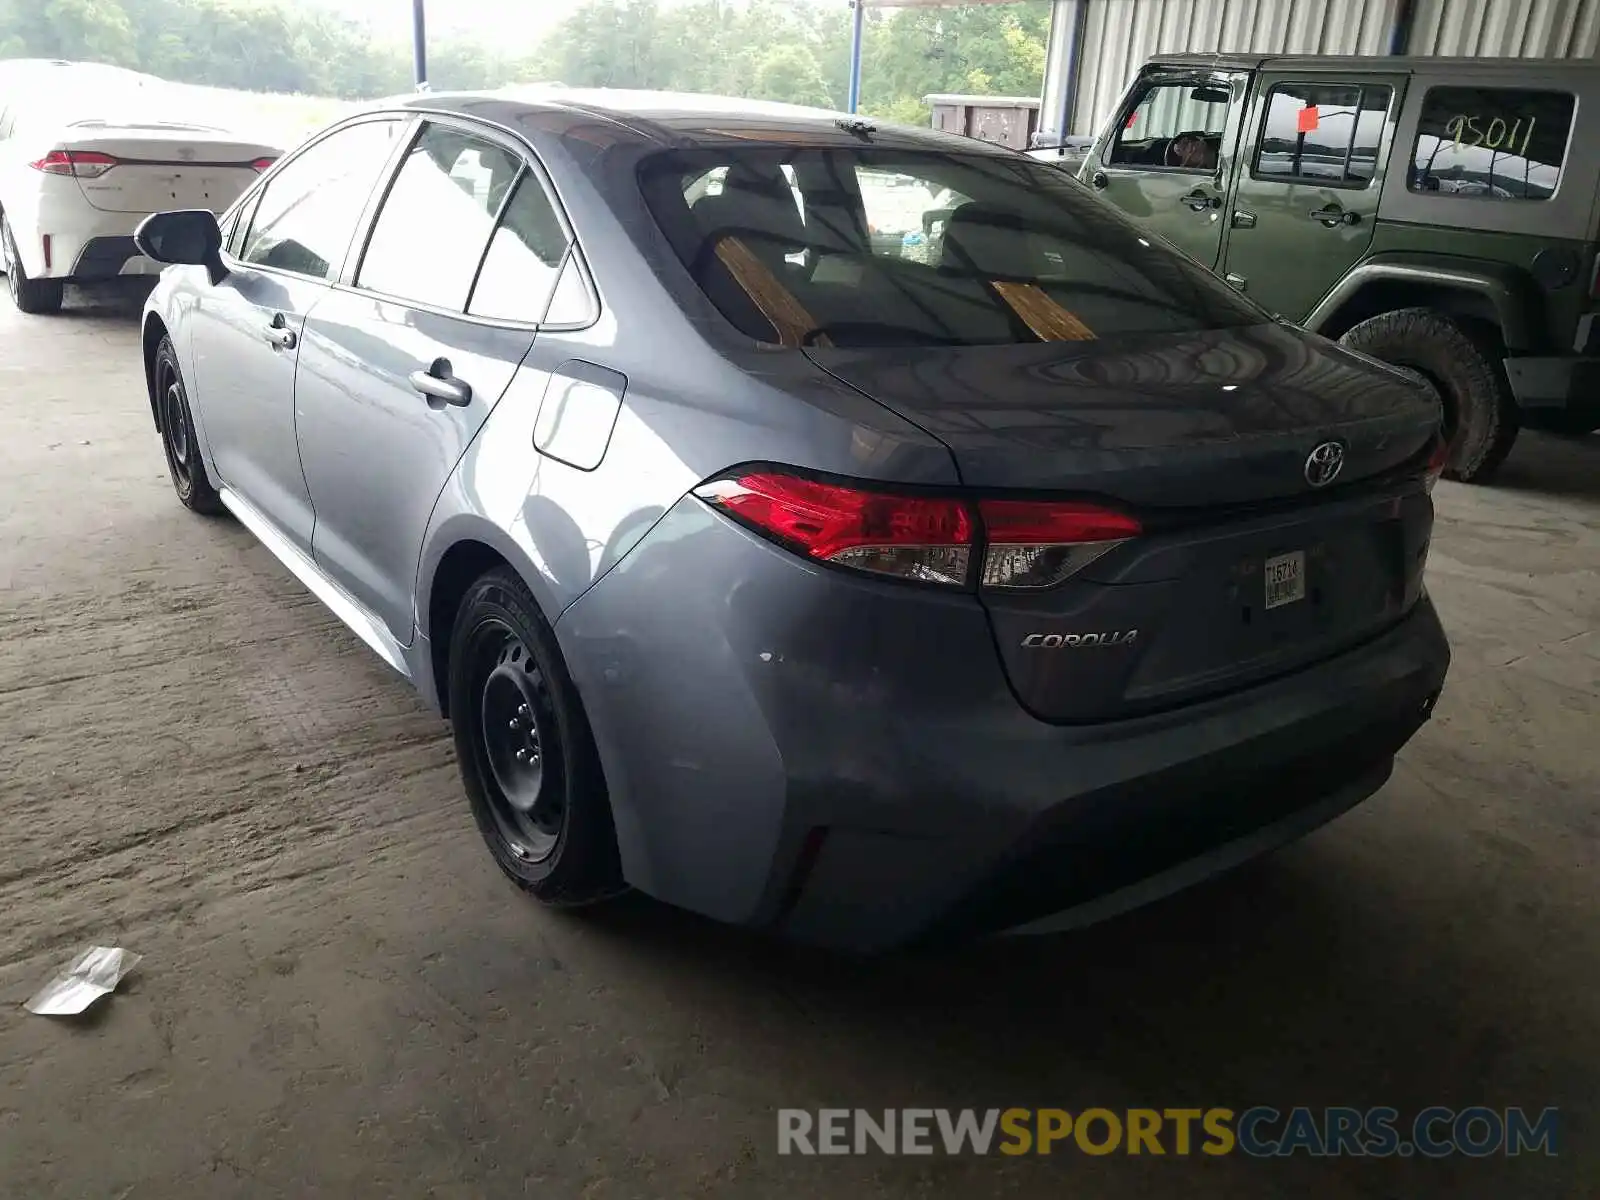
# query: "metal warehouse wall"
1119, 35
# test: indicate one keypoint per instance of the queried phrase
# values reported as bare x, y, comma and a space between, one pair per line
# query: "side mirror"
189, 236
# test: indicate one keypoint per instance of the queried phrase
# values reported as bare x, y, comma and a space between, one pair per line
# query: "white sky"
515, 23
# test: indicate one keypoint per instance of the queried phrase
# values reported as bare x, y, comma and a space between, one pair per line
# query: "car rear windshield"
806, 246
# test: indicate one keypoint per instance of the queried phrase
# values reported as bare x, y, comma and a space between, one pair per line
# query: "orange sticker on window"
1308, 119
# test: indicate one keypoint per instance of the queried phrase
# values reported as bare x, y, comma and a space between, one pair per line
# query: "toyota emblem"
1324, 463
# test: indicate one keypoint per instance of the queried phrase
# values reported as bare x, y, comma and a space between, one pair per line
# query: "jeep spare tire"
1480, 414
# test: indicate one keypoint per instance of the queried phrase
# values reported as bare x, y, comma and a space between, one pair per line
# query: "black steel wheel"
517, 741
527, 758
184, 464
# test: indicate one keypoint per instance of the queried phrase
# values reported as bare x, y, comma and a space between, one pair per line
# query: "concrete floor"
340, 996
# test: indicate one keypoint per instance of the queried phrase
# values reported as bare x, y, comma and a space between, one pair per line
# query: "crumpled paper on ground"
94, 973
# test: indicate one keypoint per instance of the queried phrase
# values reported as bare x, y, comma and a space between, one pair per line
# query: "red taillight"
1037, 544
261, 164
85, 164
929, 539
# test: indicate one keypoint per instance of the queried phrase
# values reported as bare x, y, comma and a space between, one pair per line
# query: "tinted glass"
1322, 133
434, 225
903, 248
309, 210
1176, 125
524, 258
1498, 143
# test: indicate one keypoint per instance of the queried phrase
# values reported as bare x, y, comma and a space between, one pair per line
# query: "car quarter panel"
787, 743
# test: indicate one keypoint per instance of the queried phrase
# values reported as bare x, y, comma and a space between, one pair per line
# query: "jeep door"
1168, 153
1308, 184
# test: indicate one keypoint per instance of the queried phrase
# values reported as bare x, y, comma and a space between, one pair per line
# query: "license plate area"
1284, 576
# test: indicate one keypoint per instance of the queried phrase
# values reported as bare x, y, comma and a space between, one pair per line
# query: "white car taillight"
83, 164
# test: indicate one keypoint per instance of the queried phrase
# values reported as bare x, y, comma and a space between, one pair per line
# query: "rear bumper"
844, 761
1562, 382
109, 257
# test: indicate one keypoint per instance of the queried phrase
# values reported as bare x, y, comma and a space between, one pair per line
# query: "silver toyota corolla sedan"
856, 532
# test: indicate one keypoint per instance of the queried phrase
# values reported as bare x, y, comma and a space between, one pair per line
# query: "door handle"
278, 334
1333, 216
437, 383
1243, 220
1198, 201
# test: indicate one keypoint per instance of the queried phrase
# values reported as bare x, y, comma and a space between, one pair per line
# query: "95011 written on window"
1493, 143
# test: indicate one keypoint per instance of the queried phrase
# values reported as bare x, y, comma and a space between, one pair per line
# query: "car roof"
1378, 62
686, 120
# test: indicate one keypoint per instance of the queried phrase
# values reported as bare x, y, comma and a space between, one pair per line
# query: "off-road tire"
1480, 413
581, 867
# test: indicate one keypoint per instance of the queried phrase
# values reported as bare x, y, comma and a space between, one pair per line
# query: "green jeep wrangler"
1440, 214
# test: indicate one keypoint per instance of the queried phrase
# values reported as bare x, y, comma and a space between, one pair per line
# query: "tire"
527, 758
184, 461
1480, 413
37, 297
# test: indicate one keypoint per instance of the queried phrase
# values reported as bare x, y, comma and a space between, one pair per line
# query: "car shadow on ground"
1552, 465
1301, 979
121, 301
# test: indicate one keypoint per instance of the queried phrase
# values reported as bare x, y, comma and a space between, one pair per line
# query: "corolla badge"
1069, 641
1324, 464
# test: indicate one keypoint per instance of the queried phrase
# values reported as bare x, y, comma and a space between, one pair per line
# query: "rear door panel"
1277, 252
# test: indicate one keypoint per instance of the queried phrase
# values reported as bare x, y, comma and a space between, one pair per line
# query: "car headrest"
770, 223
992, 242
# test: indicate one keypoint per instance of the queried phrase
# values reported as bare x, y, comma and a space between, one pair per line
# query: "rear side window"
525, 256
1322, 133
1492, 143
308, 211
434, 225
801, 246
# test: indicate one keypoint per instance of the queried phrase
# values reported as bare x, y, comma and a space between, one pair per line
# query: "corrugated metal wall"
1119, 35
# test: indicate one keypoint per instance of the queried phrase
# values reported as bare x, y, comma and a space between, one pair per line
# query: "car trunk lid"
151, 168
1248, 562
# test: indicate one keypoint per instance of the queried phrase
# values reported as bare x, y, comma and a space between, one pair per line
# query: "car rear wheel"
527, 758
1480, 414
34, 296
184, 463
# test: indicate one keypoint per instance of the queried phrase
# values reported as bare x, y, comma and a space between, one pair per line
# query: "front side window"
525, 256
434, 225
1173, 126
308, 211
894, 247
1494, 143
1322, 133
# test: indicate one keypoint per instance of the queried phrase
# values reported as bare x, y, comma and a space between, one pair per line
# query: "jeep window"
1322, 133
1173, 126
1495, 143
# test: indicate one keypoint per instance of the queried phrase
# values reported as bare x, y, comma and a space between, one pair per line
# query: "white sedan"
81, 167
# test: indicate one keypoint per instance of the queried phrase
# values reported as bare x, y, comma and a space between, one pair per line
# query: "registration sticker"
1286, 578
